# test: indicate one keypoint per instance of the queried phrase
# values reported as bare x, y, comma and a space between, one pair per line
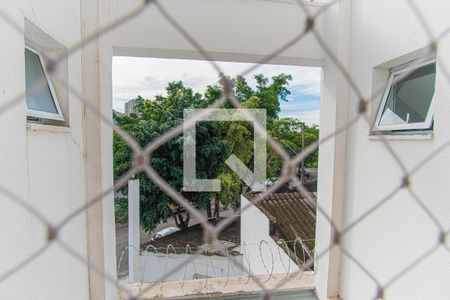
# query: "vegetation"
216, 141
287, 131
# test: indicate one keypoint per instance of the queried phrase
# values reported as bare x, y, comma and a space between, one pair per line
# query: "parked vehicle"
165, 232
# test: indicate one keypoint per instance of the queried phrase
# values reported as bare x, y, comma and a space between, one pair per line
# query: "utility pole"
302, 168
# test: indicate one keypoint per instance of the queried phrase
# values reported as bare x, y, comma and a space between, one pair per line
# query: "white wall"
41, 165
235, 30
262, 256
397, 233
44, 165
154, 267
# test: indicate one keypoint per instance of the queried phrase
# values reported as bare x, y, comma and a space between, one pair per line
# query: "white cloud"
311, 117
312, 90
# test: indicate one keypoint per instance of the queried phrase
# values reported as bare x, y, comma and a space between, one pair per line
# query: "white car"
165, 232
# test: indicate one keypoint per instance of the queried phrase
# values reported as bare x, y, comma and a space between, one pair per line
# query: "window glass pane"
39, 96
409, 99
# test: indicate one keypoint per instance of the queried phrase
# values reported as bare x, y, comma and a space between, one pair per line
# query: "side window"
40, 96
407, 104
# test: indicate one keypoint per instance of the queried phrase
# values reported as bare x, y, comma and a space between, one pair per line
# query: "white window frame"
410, 126
42, 114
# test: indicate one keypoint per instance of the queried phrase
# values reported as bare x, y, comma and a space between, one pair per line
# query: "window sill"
226, 288
318, 3
48, 128
401, 137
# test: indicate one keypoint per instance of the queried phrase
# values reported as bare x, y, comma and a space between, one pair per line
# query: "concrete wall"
397, 233
45, 165
262, 256
235, 30
157, 266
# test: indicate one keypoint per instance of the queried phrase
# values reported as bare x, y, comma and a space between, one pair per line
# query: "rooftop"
293, 221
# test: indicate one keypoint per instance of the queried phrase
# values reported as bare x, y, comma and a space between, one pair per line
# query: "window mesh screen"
309, 29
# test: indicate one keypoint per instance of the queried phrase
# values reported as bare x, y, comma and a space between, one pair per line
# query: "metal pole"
302, 168
133, 231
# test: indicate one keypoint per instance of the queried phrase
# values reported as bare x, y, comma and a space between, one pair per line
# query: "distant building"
130, 107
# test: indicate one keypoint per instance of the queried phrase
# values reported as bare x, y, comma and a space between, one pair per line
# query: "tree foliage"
288, 133
154, 119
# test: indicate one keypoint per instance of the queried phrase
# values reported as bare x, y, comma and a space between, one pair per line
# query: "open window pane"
407, 104
39, 95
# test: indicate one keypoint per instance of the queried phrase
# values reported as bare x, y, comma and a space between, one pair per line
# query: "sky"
148, 77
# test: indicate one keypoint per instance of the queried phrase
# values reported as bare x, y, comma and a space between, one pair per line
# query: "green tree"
269, 93
288, 132
239, 135
154, 119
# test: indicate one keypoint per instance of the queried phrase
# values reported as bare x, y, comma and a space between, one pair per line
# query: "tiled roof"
293, 222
